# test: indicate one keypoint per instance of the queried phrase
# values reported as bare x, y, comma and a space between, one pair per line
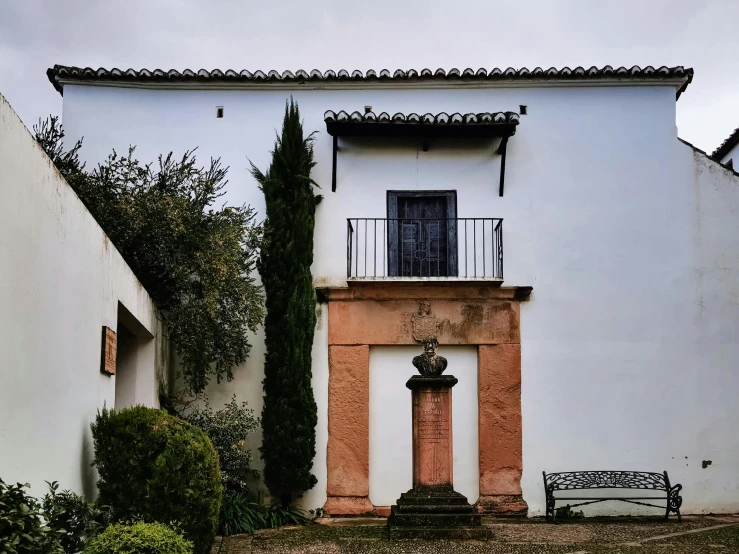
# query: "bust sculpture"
430, 364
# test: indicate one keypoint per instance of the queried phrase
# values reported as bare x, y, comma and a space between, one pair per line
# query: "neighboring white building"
61, 283
623, 357
728, 151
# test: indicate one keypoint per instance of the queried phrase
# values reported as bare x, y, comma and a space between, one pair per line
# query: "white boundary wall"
61, 281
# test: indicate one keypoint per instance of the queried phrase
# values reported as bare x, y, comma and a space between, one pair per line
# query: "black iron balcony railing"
448, 248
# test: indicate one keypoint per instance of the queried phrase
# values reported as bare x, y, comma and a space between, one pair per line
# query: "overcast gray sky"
335, 34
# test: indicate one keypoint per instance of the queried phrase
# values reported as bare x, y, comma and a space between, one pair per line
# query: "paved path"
695, 535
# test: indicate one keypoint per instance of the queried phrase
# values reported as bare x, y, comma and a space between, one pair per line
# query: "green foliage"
76, 520
139, 538
240, 515
227, 429
194, 260
289, 414
22, 530
565, 512
156, 467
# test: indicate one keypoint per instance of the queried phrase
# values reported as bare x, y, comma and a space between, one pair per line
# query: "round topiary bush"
157, 467
139, 538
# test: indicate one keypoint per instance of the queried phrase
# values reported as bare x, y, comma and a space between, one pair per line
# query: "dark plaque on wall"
107, 358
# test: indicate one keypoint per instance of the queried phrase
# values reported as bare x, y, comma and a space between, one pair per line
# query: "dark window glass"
422, 237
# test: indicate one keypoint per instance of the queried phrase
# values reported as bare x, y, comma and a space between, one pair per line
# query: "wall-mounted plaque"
107, 358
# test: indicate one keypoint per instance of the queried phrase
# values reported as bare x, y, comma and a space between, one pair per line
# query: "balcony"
445, 249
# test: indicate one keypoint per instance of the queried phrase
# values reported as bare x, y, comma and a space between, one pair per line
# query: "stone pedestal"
432, 508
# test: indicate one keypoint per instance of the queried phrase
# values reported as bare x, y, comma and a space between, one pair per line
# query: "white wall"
391, 421
622, 366
61, 281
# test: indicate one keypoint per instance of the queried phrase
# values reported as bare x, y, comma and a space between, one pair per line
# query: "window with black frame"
422, 233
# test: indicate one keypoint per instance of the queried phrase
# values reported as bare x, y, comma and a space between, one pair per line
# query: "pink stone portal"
432, 437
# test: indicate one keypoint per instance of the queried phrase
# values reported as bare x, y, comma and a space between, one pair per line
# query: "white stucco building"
625, 354
62, 284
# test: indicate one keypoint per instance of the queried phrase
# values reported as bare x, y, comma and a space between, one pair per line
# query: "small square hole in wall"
523, 110
219, 112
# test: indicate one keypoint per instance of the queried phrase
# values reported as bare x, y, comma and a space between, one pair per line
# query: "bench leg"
550, 511
674, 501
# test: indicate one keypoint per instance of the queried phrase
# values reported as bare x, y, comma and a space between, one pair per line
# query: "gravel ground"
695, 535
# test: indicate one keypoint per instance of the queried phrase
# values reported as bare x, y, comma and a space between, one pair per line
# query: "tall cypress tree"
289, 414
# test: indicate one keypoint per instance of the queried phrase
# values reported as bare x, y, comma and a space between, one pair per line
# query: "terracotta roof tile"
61, 73
730, 142
484, 118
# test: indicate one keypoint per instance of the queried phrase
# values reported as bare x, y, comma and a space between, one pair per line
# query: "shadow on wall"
88, 475
135, 378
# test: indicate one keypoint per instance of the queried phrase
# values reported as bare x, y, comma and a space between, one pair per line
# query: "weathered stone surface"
348, 421
453, 321
436, 499
502, 505
432, 509
402, 313
348, 506
432, 430
499, 405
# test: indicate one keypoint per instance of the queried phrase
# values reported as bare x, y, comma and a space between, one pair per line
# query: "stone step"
411, 507
436, 497
435, 519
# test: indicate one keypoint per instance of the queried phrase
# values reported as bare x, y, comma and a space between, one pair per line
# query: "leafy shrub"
76, 520
22, 530
139, 538
240, 515
227, 429
156, 467
196, 261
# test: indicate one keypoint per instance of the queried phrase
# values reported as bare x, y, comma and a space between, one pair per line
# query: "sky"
336, 34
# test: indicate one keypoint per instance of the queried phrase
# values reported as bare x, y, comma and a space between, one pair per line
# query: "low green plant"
22, 530
239, 514
76, 520
227, 429
155, 466
278, 515
139, 538
565, 512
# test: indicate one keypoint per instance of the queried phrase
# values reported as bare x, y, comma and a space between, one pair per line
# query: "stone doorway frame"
402, 313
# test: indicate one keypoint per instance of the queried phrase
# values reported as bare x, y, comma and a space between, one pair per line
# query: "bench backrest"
573, 480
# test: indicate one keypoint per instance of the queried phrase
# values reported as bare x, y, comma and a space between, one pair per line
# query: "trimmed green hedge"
139, 538
157, 467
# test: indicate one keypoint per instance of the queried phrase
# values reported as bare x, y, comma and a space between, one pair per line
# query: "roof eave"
679, 84
679, 77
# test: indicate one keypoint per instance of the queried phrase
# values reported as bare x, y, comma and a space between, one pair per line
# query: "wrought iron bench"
587, 480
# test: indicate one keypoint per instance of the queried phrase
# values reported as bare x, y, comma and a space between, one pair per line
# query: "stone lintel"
410, 290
